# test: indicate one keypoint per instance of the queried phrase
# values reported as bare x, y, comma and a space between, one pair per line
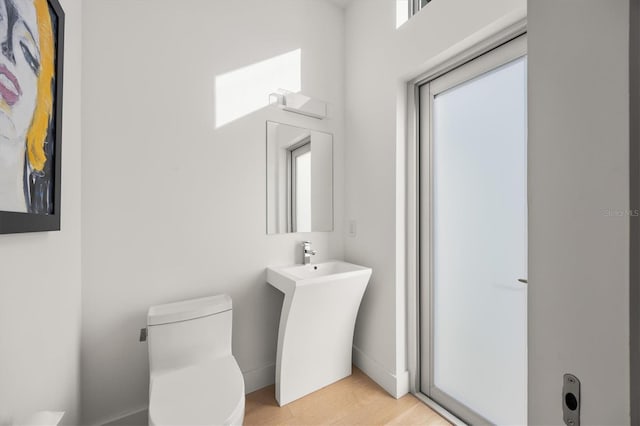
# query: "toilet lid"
209, 393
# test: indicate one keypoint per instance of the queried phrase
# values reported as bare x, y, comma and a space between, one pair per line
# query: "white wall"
579, 168
174, 207
634, 180
40, 280
380, 60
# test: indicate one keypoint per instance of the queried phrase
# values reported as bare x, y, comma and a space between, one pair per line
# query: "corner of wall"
259, 378
396, 385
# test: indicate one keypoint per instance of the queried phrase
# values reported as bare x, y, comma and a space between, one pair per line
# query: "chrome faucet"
307, 252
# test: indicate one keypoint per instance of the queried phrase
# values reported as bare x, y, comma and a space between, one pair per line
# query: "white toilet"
194, 378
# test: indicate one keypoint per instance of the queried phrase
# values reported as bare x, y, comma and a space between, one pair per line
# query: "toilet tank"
188, 332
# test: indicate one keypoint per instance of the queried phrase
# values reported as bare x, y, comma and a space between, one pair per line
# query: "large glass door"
474, 238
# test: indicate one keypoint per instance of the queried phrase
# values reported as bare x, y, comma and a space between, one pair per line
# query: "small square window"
405, 9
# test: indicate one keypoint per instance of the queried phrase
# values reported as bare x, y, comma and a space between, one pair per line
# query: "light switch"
353, 228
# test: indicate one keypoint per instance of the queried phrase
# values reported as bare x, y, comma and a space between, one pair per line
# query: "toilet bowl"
194, 378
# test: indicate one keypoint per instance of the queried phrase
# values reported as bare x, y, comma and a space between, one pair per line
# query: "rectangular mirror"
299, 179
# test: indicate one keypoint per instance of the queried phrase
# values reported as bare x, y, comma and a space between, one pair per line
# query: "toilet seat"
209, 393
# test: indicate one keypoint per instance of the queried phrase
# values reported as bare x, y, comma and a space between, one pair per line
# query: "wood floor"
356, 400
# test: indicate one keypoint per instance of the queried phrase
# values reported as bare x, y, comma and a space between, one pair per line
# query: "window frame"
416, 6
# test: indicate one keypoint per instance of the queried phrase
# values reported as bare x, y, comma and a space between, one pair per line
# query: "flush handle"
143, 334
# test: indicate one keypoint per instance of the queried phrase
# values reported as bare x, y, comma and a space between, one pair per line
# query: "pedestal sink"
319, 312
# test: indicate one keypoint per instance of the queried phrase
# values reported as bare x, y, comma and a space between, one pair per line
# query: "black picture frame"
14, 222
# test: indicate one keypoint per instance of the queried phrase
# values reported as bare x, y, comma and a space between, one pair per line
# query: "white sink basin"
319, 312
285, 278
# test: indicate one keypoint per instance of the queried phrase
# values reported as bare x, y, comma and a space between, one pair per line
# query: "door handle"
523, 280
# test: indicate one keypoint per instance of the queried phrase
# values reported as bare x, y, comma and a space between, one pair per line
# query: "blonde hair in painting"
37, 133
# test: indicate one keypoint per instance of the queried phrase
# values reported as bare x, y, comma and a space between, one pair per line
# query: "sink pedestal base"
315, 337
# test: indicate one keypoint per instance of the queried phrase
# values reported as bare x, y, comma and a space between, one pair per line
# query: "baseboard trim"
138, 417
396, 385
259, 378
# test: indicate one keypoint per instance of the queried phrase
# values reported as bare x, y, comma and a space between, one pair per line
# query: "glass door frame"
490, 61
505, 45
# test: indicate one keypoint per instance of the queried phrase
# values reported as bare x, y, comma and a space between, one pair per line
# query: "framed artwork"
31, 65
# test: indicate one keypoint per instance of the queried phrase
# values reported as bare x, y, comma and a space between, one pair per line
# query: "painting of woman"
27, 93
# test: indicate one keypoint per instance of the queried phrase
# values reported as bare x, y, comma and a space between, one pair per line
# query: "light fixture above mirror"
299, 103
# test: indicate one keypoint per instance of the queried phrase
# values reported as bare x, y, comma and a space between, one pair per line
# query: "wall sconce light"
299, 103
